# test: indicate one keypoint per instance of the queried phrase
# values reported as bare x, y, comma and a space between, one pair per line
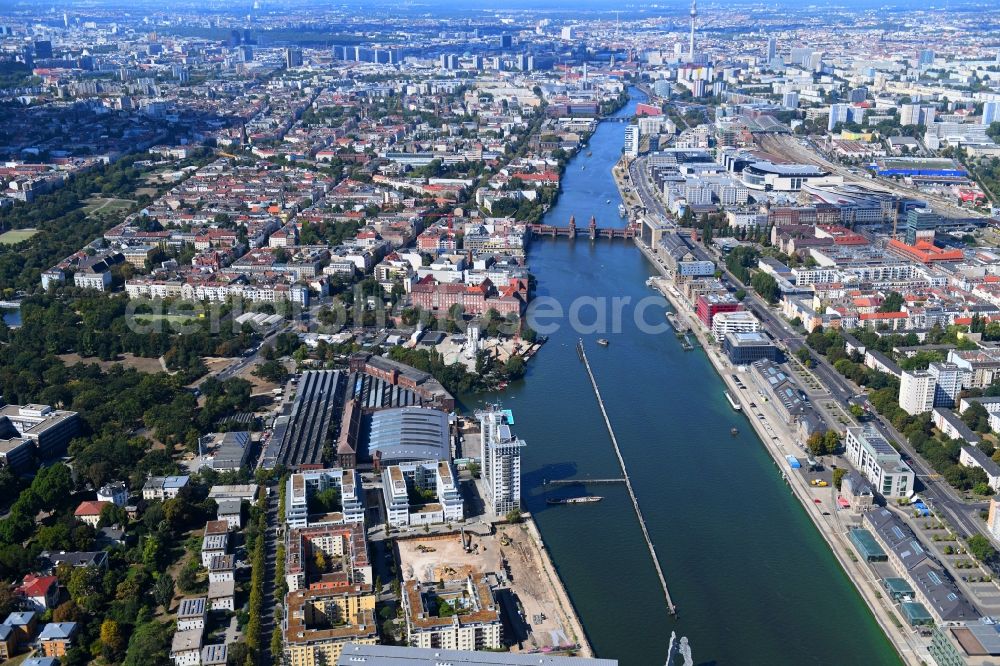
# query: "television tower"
694, 15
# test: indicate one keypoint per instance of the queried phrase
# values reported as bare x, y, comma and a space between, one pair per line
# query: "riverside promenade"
779, 442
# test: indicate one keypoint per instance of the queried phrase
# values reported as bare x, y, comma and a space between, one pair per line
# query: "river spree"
753, 581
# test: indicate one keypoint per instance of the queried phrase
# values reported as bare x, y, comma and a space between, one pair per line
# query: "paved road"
644, 187
268, 341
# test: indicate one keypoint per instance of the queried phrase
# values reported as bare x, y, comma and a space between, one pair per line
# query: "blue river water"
753, 580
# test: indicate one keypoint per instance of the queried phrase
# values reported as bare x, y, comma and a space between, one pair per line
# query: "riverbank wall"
559, 590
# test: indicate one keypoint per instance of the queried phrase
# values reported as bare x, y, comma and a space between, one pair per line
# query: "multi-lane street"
644, 187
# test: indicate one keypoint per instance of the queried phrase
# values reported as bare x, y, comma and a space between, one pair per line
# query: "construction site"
538, 615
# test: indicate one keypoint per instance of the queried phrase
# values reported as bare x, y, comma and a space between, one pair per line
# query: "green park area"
105, 205
15, 236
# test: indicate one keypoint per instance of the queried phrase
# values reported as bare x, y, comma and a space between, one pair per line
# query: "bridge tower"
572, 226
593, 227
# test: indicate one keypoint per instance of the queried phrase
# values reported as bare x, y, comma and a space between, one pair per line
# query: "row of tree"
940, 451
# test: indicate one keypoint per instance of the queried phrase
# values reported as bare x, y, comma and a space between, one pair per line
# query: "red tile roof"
90, 508
37, 586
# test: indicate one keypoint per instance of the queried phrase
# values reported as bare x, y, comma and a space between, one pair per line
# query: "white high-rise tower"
501, 462
694, 15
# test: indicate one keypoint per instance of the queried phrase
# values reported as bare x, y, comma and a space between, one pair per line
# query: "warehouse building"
786, 396
934, 587
408, 434
918, 166
392, 655
326, 398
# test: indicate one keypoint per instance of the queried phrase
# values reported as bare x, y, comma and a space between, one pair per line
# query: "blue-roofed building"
57, 631
163, 487
8, 642
57, 638
23, 623
866, 545
408, 434
915, 613
40, 661
898, 588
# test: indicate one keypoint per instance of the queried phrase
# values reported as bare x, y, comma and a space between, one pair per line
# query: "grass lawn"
15, 236
108, 205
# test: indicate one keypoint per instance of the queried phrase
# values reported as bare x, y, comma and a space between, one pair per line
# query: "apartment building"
344, 550
191, 614
304, 485
57, 638
185, 647
8, 642
916, 391
212, 546
979, 367
947, 383
421, 493
501, 462
321, 622
458, 614
973, 456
